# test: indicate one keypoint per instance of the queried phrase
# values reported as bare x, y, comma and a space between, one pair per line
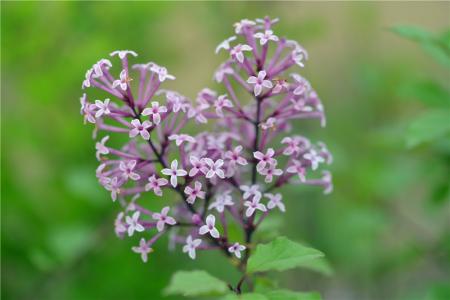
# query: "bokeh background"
385, 229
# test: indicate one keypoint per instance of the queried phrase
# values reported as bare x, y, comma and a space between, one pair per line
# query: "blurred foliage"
385, 228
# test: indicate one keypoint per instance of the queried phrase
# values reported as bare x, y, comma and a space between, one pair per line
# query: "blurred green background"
385, 228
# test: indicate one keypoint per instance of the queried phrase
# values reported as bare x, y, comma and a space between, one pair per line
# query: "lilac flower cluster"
227, 174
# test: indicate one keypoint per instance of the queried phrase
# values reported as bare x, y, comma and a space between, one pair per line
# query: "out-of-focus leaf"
430, 126
281, 254
264, 284
195, 283
412, 33
290, 295
437, 47
248, 296
428, 92
320, 265
275, 295
68, 242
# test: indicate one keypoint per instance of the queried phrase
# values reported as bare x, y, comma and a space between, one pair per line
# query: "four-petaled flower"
162, 73
191, 245
123, 81
236, 249
198, 164
127, 170
103, 108
133, 223
123, 53
292, 145
101, 148
143, 248
155, 112
112, 185
254, 205
302, 85
214, 168
209, 227
270, 172
237, 52
180, 138
225, 44
138, 128
221, 102
250, 191
259, 82
163, 219
239, 26
266, 36
264, 159
195, 192
222, 200
235, 157
155, 184
275, 201
298, 169
174, 172
314, 158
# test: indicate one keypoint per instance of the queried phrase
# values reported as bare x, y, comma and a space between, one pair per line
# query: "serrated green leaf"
280, 254
290, 295
429, 126
195, 283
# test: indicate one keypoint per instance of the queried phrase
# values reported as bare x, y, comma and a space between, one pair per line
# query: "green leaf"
195, 283
428, 92
320, 265
431, 125
281, 254
275, 295
290, 295
437, 47
412, 33
249, 296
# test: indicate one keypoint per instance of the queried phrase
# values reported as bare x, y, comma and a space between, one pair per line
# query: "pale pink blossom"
143, 249
162, 219
275, 201
221, 102
236, 249
133, 223
174, 173
253, 205
123, 81
195, 192
102, 108
155, 184
222, 200
127, 169
191, 246
297, 168
101, 148
264, 159
140, 128
237, 52
266, 36
225, 44
214, 168
209, 227
259, 82
154, 112
180, 138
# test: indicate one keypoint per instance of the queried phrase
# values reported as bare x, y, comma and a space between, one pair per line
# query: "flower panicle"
228, 174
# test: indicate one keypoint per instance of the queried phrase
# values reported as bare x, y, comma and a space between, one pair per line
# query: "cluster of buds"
230, 173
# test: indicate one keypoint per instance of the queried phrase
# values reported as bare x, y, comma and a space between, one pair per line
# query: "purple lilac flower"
217, 174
